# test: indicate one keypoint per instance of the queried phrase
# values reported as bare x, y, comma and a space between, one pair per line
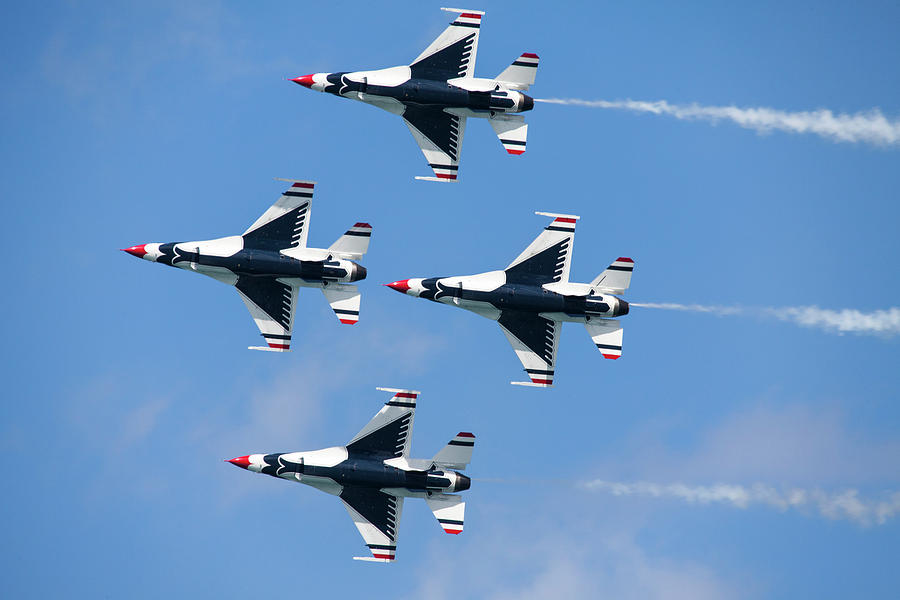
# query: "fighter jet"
438, 91
532, 297
270, 262
373, 473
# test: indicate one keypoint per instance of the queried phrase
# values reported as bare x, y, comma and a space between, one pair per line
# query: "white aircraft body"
373, 474
438, 91
533, 296
270, 262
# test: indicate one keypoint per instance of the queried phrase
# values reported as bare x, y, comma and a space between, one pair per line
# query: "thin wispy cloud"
878, 322
871, 127
842, 505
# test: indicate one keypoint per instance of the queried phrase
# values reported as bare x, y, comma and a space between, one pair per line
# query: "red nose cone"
401, 286
138, 251
304, 80
241, 461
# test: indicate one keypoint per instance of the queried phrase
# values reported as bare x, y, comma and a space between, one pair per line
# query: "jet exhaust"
885, 322
870, 127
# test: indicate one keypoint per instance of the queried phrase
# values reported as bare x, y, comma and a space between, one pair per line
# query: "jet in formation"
533, 296
437, 93
373, 473
270, 262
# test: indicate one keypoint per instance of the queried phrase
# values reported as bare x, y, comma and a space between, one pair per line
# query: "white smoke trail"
880, 322
869, 126
845, 505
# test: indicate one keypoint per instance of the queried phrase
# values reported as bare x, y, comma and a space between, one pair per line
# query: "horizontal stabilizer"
616, 278
344, 300
354, 243
520, 75
449, 510
512, 131
607, 336
456, 454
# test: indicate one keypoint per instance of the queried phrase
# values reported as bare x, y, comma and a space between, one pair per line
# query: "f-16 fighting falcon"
532, 297
270, 262
438, 91
373, 473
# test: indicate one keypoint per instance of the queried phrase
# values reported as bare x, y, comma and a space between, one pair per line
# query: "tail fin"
449, 510
616, 278
354, 243
512, 131
607, 336
520, 75
456, 454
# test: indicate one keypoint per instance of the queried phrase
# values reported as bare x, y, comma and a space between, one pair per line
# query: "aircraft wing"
453, 53
376, 515
389, 432
439, 135
272, 304
535, 340
548, 258
286, 223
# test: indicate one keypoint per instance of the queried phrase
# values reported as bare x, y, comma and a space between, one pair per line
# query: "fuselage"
489, 293
399, 85
221, 256
333, 468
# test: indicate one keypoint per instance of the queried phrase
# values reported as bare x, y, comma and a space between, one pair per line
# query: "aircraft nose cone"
138, 251
304, 80
241, 461
401, 286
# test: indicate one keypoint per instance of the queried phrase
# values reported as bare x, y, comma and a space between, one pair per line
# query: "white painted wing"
548, 258
535, 341
439, 135
390, 431
607, 336
272, 304
453, 53
376, 515
286, 223
449, 510
512, 131
344, 300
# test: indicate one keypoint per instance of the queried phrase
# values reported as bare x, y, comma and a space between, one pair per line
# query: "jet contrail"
845, 504
879, 322
870, 126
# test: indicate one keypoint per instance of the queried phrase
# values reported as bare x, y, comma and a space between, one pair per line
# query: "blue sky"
128, 383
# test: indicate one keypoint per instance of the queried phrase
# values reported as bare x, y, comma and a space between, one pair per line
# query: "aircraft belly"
326, 484
391, 105
560, 316
485, 309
